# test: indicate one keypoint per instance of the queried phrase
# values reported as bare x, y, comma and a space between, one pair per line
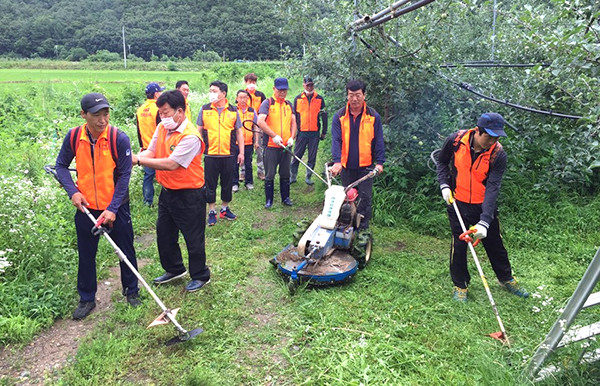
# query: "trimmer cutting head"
184, 336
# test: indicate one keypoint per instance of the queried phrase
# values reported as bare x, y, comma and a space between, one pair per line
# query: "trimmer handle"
468, 239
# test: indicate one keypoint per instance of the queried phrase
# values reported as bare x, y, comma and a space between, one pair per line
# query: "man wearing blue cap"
469, 170
147, 118
277, 120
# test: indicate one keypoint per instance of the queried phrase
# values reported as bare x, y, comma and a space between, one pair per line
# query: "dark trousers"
494, 247
300, 147
248, 178
87, 245
365, 192
148, 185
274, 158
215, 167
182, 210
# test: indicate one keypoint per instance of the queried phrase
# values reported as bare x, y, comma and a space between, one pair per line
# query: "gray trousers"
301, 143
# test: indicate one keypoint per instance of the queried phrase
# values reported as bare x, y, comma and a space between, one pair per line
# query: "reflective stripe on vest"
219, 129
146, 116
471, 177
366, 133
309, 112
95, 173
279, 120
247, 115
180, 178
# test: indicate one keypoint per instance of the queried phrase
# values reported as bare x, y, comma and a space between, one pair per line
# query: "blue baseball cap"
492, 123
281, 84
152, 88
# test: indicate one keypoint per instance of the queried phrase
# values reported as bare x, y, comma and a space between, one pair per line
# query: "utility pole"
124, 50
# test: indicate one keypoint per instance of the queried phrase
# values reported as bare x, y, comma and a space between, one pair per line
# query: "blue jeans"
148, 185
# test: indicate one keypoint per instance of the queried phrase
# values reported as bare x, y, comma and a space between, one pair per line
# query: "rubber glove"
290, 142
278, 141
480, 231
447, 195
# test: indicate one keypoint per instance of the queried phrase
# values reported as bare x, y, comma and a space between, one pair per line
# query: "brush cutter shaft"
483, 279
125, 260
304, 163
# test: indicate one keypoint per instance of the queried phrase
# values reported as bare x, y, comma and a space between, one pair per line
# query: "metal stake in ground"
501, 336
167, 315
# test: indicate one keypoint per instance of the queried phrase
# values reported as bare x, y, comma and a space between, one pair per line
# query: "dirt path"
54, 347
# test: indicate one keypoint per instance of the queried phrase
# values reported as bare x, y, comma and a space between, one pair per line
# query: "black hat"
93, 102
308, 80
492, 123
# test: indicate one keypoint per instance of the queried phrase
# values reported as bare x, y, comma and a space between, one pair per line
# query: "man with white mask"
175, 152
311, 118
256, 99
220, 126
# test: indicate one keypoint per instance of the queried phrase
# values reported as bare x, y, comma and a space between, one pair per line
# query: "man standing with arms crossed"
357, 144
309, 107
220, 127
277, 121
175, 152
147, 118
103, 161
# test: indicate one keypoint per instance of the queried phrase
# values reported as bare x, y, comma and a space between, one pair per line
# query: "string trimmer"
167, 315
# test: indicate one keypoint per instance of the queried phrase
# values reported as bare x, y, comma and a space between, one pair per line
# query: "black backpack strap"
112, 142
74, 138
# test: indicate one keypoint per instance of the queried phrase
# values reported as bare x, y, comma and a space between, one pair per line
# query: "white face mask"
213, 97
309, 92
169, 123
251, 86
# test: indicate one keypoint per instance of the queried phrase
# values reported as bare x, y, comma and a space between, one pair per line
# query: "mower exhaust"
167, 315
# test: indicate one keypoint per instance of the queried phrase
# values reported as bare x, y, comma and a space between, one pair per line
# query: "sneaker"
268, 204
292, 179
167, 277
228, 214
460, 294
242, 176
261, 175
288, 202
514, 288
235, 188
134, 300
212, 218
195, 285
249, 186
83, 309
308, 181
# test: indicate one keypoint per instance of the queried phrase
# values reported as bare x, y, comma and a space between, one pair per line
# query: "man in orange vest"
147, 119
246, 113
469, 170
256, 99
277, 120
311, 117
103, 162
220, 127
357, 144
184, 87
175, 152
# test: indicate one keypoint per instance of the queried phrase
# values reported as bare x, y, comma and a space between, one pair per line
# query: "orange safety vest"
188, 112
471, 177
279, 120
309, 112
95, 174
180, 178
247, 115
255, 100
366, 133
146, 117
219, 131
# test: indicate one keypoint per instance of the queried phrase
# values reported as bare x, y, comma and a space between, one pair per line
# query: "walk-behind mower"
331, 249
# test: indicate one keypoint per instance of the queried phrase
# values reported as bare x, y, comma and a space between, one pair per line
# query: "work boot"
83, 309
134, 300
284, 189
514, 288
269, 188
460, 294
